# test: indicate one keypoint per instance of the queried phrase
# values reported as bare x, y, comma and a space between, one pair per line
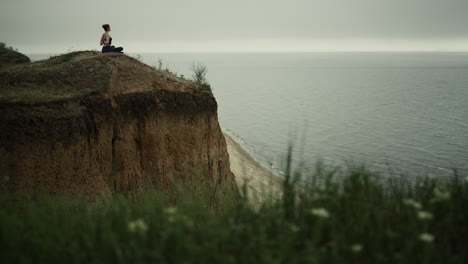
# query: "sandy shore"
261, 184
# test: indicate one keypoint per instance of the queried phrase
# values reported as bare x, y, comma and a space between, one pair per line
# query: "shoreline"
259, 183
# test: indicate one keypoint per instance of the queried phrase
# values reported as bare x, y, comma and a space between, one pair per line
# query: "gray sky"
239, 25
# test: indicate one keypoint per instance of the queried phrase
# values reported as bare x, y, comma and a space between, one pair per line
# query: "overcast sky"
35, 26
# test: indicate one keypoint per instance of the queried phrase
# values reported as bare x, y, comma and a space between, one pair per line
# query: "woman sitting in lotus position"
106, 40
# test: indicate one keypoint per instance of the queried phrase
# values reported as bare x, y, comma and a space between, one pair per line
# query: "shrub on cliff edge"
199, 75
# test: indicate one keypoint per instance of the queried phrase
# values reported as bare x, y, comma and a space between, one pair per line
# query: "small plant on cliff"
199, 75
160, 65
171, 72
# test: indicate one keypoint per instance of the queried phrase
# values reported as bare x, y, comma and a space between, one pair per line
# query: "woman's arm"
105, 39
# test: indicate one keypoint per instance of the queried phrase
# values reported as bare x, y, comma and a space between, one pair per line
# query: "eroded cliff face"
138, 131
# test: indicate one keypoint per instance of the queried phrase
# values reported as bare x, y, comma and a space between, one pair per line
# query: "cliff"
96, 124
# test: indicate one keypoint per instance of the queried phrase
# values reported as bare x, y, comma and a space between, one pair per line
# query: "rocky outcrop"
103, 124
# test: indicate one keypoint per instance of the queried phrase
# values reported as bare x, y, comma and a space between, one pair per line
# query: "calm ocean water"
396, 112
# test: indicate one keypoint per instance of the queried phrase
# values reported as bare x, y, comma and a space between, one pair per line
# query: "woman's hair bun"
105, 26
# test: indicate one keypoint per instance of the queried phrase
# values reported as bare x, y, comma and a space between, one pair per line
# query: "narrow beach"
260, 182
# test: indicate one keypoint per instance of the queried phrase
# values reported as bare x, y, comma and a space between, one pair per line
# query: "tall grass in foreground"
358, 219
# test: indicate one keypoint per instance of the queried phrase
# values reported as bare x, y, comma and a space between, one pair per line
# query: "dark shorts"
111, 49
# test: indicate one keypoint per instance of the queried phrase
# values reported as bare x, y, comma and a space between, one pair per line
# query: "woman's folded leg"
111, 49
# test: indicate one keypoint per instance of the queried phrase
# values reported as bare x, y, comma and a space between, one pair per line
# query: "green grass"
341, 216
54, 80
9, 53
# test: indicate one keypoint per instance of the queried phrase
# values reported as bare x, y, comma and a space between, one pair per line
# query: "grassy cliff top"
9, 57
77, 74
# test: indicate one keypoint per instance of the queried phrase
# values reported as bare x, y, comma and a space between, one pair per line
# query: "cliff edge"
96, 124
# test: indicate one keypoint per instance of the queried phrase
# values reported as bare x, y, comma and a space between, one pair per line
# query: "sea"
396, 113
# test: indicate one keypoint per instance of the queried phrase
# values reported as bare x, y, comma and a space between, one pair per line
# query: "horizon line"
259, 51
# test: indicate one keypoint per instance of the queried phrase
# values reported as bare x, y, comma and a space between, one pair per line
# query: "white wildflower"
137, 226
294, 228
423, 215
171, 213
426, 237
322, 187
441, 195
412, 203
170, 210
318, 196
356, 248
320, 212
